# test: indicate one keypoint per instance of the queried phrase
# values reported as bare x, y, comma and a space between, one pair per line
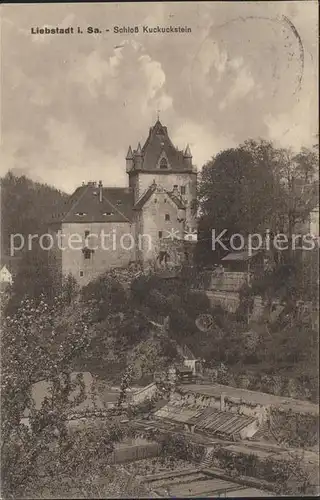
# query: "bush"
177, 446
105, 295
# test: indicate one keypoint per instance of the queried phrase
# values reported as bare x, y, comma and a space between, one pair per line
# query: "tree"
236, 189
34, 278
125, 384
40, 342
297, 175
26, 207
255, 187
105, 295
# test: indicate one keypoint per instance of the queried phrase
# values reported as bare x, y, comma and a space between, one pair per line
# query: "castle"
100, 228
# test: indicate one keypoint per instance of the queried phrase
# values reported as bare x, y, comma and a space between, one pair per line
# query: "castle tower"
164, 186
160, 161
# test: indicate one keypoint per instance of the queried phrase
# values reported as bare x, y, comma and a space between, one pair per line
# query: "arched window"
163, 163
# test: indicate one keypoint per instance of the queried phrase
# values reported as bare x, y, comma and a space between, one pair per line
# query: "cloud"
203, 144
94, 72
73, 104
297, 126
242, 85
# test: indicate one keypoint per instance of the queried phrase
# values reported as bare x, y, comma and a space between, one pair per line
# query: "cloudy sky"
72, 104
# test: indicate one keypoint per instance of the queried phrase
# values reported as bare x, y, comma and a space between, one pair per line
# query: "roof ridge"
147, 193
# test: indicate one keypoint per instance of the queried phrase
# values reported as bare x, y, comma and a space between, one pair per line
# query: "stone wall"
119, 249
154, 214
167, 180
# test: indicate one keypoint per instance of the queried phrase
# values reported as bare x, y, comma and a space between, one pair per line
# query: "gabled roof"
147, 195
11, 263
157, 144
152, 189
176, 200
84, 205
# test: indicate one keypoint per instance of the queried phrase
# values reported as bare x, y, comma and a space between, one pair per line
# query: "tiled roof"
158, 143
152, 189
147, 195
84, 205
176, 200
176, 413
221, 421
206, 419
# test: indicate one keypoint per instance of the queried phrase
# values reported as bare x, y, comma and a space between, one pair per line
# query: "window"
163, 163
81, 214
86, 233
81, 273
167, 217
108, 213
160, 234
175, 186
183, 189
86, 253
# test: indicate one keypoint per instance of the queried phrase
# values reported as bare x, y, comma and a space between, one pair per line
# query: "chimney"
100, 191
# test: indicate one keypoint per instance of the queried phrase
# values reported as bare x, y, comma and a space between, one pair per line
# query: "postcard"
159, 249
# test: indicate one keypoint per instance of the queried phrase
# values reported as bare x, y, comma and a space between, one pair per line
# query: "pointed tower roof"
158, 143
129, 154
187, 153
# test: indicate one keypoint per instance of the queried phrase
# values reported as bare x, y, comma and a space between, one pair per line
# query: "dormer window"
119, 202
108, 213
81, 214
163, 163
